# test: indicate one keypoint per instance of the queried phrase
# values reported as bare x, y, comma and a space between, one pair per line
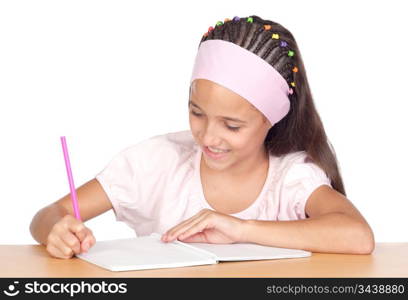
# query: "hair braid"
260, 45
258, 31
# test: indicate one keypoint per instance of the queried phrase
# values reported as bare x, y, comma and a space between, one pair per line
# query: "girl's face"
223, 120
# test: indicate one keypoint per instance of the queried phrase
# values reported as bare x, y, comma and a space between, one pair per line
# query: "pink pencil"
74, 197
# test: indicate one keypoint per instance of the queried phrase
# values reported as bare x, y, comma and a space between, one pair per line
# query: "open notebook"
149, 252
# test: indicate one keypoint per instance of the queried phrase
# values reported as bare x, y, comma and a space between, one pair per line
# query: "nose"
210, 135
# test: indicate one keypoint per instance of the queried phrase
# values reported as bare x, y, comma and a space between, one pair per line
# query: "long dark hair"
301, 129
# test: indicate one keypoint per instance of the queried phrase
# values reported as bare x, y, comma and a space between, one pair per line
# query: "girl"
256, 166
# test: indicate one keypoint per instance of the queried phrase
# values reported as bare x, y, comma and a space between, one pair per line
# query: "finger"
51, 247
188, 227
71, 241
88, 242
63, 248
187, 223
173, 233
196, 228
79, 230
175, 228
198, 237
55, 252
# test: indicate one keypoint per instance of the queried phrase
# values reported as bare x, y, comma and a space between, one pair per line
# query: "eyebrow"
223, 117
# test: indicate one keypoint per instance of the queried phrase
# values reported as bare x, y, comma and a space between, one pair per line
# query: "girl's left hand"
207, 226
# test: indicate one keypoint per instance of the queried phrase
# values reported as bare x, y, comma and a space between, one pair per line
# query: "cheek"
249, 141
241, 142
196, 127
194, 124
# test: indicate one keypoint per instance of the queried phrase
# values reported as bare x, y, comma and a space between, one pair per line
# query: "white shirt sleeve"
147, 182
120, 180
301, 179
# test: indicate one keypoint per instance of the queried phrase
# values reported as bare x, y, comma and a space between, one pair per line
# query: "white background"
108, 74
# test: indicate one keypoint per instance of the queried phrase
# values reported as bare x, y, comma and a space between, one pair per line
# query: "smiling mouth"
215, 155
216, 150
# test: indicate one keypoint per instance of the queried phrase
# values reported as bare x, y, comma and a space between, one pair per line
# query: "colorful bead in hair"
283, 44
265, 27
295, 70
227, 20
209, 30
275, 36
236, 19
250, 20
290, 91
291, 53
219, 23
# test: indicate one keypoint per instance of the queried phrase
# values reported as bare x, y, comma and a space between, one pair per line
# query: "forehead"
209, 94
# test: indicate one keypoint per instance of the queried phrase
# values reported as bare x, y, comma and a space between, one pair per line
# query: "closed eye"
232, 128
196, 114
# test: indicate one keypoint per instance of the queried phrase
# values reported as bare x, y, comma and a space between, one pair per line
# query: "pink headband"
244, 73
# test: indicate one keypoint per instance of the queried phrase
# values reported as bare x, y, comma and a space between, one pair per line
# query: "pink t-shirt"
155, 184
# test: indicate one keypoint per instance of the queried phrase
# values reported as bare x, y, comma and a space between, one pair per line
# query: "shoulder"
297, 178
297, 166
173, 141
152, 159
292, 158
161, 150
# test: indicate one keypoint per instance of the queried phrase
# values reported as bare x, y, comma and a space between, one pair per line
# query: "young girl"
256, 166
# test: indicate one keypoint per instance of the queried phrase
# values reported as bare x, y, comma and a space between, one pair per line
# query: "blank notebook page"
232, 252
146, 252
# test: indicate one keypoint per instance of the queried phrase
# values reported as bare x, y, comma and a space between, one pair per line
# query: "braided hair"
301, 129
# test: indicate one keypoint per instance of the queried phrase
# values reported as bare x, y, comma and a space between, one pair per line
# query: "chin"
216, 166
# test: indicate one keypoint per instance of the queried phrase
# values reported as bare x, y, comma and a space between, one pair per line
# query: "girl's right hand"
69, 236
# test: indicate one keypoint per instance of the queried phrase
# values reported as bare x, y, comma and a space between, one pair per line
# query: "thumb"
88, 242
79, 230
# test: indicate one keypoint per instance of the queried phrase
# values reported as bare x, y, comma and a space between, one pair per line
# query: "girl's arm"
92, 201
334, 226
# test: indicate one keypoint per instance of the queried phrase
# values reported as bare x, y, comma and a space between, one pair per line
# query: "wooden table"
387, 260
